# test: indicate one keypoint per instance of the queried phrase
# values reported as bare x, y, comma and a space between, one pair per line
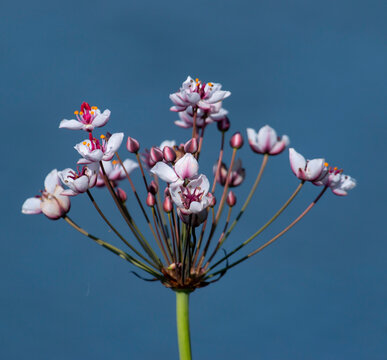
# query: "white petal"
170, 143
69, 192
129, 166
314, 169
63, 201
193, 98
114, 143
252, 136
52, 209
31, 206
175, 190
187, 167
51, 181
297, 161
101, 119
71, 124
164, 172
81, 184
196, 207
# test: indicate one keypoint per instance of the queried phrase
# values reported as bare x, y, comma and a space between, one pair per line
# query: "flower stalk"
182, 321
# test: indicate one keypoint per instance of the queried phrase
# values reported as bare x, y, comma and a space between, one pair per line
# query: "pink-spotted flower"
115, 172
94, 150
196, 93
334, 178
88, 118
237, 174
203, 117
266, 141
51, 202
186, 168
79, 181
307, 170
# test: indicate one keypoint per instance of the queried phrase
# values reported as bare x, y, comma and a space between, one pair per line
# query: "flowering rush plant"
185, 231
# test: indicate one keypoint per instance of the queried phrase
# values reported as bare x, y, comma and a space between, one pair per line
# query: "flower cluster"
184, 216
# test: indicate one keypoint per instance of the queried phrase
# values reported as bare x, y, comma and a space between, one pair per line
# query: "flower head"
93, 150
203, 117
51, 202
87, 119
266, 141
79, 181
307, 170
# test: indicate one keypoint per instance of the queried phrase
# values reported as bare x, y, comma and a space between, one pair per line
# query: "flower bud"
150, 200
132, 145
166, 191
169, 154
236, 140
153, 187
191, 146
167, 205
156, 154
121, 194
231, 199
224, 124
213, 200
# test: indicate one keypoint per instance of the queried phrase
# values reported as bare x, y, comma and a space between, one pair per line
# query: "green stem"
182, 319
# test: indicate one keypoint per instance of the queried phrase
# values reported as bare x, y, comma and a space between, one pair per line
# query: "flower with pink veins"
195, 93
88, 118
79, 181
186, 168
307, 170
51, 202
266, 141
237, 174
203, 118
93, 150
115, 172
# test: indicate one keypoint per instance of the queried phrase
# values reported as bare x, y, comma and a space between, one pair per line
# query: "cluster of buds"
184, 219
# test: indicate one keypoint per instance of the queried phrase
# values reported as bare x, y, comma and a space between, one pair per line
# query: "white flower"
93, 150
345, 184
215, 113
308, 170
51, 203
87, 119
115, 172
266, 141
79, 181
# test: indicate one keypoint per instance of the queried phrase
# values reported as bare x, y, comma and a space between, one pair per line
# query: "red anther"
236, 140
150, 200
231, 199
132, 145
156, 154
167, 205
169, 154
191, 146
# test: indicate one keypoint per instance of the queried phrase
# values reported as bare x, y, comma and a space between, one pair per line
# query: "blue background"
313, 70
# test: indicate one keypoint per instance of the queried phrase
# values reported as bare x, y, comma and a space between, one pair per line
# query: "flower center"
87, 113
187, 197
95, 144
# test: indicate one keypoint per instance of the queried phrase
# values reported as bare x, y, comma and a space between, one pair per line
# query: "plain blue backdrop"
313, 70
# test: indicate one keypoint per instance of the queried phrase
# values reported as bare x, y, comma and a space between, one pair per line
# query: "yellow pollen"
84, 143
92, 112
94, 107
102, 136
115, 162
326, 164
210, 84
76, 112
80, 113
197, 80
335, 168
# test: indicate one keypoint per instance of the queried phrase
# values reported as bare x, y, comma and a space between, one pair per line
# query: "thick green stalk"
182, 319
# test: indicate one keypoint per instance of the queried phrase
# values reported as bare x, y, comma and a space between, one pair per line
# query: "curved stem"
182, 320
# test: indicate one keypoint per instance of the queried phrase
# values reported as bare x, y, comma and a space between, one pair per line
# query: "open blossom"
51, 202
307, 170
195, 93
94, 150
88, 118
115, 171
185, 169
237, 174
79, 181
266, 141
203, 117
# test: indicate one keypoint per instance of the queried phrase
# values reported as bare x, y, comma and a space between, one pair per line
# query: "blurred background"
313, 70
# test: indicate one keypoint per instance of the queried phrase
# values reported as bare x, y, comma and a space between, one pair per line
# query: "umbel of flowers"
185, 231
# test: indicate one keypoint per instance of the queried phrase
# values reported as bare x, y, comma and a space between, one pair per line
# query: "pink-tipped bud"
191, 146
236, 140
213, 200
224, 124
153, 187
231, 199
156, 154
167, 205
169, 154
121, 194
150, 200
132, 145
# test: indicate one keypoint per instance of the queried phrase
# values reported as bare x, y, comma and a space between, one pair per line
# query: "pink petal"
314, 169
187, 167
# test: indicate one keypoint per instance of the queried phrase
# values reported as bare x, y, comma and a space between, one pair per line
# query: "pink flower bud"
121, 194
167, 205
156, 154
150, 200
169, 154
224, 124
236, 140
166, 191
132, 145
213, 200
191, 146
153, 187
231, 199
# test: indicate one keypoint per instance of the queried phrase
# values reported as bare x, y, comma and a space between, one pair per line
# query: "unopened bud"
231, 199
191, 146
224, 124
153, 187
150, 200
236, 140
132, 145
167, 205
156, 154
169, 154
121, 194
213, 200
166, 191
